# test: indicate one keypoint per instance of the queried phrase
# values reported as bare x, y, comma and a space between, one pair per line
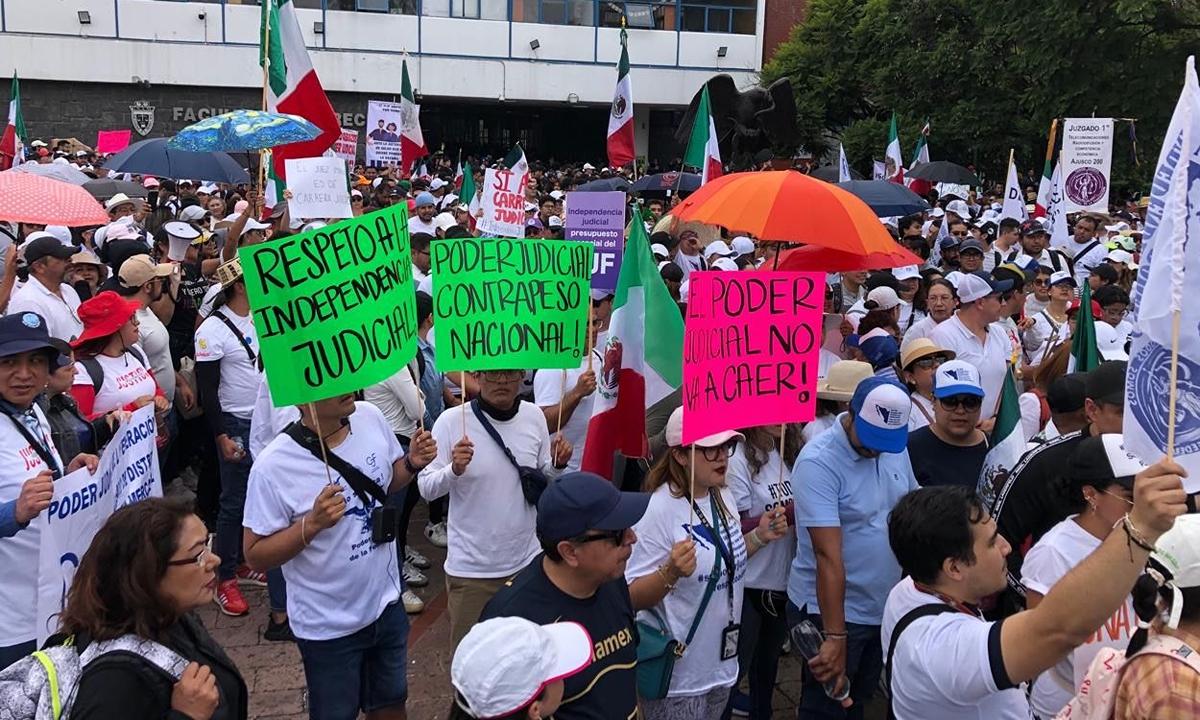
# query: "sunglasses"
613, 536
966, 402
928, 363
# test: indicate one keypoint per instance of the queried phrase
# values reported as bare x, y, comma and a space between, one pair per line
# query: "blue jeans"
234, 475
363, 671
864, 664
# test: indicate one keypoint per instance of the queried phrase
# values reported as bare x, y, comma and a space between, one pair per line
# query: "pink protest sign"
750, 350
112, 141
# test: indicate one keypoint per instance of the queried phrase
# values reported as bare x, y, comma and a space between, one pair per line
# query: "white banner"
319, 188
503, 203
1087, 163
383, 139
128, 472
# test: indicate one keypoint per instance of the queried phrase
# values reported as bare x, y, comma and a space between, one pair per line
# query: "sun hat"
920, 348
881, 409
957, 377
86, 257
104, 315
674, 433
503, 664
122, 199
841, 380
140, 269
230, 272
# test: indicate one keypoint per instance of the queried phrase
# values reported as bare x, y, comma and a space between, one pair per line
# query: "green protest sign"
502, 304
334, 308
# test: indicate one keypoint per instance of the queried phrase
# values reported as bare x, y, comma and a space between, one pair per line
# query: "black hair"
671, 272
1017, 277
419, 241
881, 279
932, 524
424, 307
1145, 595
877, 319
909, 220
1010, 224
666, 239
1110, 295
457, 713
458, 231
1105, 272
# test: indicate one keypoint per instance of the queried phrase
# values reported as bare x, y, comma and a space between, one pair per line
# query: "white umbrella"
63, 172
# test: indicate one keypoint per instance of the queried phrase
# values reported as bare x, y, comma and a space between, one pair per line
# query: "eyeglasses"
719, 452
928, 363
200, 558
966, 402
1041, 283
1107, 492
613, 536
503, 375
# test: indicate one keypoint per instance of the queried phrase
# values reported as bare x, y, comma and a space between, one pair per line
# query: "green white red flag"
894, 161
703, 151
920, 157
1008, 443
620, 119
412, 140
12, 142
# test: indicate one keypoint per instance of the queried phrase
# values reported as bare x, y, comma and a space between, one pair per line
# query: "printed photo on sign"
384, 121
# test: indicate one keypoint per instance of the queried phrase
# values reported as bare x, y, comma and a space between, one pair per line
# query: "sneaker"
278, 632
414, 577
412, 603
229, 598
739, 704
413, 557
253, 578
436, 534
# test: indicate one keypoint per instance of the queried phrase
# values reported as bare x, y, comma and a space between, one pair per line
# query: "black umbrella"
944, 171
830, 174
886, 198
659, 184
153, 157
605, 185
105, 188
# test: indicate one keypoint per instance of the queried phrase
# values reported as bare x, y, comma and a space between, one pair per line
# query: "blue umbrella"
886, 198
243, 131
659, 184
605, 185
154, 157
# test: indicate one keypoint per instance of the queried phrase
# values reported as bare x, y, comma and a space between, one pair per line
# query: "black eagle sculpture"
748, 121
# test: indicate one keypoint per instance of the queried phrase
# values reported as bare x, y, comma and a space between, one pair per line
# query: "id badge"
729, 641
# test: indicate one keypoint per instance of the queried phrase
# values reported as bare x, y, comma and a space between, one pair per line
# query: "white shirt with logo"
125, 379
60, 313
548, 390
755, 494
239, 376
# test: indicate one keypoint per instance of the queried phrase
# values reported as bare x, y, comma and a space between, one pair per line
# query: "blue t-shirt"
834, 486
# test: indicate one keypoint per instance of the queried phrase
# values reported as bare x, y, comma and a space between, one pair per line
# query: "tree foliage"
989, 76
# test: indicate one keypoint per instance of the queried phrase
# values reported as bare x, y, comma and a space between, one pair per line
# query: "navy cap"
25, 331
579, 501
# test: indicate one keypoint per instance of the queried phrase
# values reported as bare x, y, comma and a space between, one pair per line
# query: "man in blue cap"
846, 481
584, 526
424, 208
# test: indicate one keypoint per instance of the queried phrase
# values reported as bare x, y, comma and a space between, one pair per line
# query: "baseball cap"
444, 221
1106, 383
674, 433
589, 166
723, 263
879, 347
207, 189
959, 208
24, 331
1097, 312
557, 194
972, 244
918, 348
1104, 457
252, 224
948, 242
61, 232
1033, 227
503, 664
1177, 554
717, 248
660, 250
600, 294
140, 269
881, 409
582, 501
437, 184
1066, 393
841, 380
956, 377
192, 213
975, 286
1120, 256
1062, 276
884, 298
954, 277
554, 221
906, 272
1110, 343
741, 245
425, 198
42, 244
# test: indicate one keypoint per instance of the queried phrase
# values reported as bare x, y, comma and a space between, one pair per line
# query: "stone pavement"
275, 676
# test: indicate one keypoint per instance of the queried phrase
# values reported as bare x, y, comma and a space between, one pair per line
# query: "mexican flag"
515, 160
1007, 443
703, 151
893, 159
412, 140
920, 157
458, 176
12, 143
1085, 355
292, 87
643, 358
1045, 190
467, 194
620, 120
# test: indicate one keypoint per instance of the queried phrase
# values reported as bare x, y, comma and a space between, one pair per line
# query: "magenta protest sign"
750, 350
599, 218
112, 141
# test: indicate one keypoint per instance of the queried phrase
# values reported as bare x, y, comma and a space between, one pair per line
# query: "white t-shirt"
1057, 552
156, 342
60, 313
548, 388
947, 666
918, 419
417, 225
490, 528
239, 376
667, 521
1045, 335
755, 495
267, 421
125, 380
399, 400
210, 297
920, 329
19, 553
342, 581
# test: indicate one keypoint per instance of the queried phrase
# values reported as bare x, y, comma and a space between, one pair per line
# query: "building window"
555, 12
653, 15
722, 16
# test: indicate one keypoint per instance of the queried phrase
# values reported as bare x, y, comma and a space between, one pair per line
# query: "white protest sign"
1086, 163
128, 473
383, 140
319, 188
503, 203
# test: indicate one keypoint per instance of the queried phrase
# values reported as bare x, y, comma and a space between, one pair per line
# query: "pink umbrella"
33, 199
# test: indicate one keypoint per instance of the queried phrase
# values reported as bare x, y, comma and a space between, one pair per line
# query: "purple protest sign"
599, 218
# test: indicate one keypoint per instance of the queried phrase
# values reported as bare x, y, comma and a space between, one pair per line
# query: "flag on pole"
1007, 443
1085, 354
1162, 283
920, 157
878, 170
703, 151
843, 166
1056, 211
12, 143
1046, 186
515, 160
412, 140
620, 120
293, 88
467, 194
1014, 199
642, 358
458, 175
893, 159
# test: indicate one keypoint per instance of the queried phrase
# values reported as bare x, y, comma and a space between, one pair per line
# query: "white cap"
884, 297
881, 409
660, 250
717, 248
122, 199
1178, 552
554, 221
531, 207
192, 213
557, 194
437, 184
376, 182
906, 272
957, 377
313, 225
444, 221
1062, 276
1119, 227
1110, 343
207, 189
61, 232
589, 166
426, 284
959, 207
355, 193
252, 224
503, 664
674, 433
954, 277
972, 287
725, 264
741, 245
937, 212
1120, 256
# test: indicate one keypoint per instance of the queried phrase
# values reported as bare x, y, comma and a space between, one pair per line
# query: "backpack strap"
909, 618
96, 372
158, 655
254, 360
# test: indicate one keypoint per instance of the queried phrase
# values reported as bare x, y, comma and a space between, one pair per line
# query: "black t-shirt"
606, 689
936, 462
182, 328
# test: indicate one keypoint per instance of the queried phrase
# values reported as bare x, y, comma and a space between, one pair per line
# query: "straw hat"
841, 380
919, 348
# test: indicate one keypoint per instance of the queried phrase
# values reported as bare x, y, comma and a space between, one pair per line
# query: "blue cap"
25, 331
881, 409
956, 377
580, 501
880, 350
425, 198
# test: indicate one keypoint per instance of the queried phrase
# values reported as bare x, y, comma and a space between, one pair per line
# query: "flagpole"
321, 441
462, 384
590, 335
782, 434
1050, 141
268, 7
1174, 390
692, 491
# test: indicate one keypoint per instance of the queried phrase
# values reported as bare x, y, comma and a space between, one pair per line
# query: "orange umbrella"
39, 200
824, 259
787, 206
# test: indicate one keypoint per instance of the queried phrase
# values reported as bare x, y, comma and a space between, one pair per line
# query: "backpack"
42, 685
1097, 696
95, 371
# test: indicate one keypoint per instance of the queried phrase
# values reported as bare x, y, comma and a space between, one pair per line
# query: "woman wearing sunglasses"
147, 569
688, 569
919, 360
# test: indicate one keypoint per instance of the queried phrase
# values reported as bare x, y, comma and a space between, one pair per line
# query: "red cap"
104, 315
1096, 311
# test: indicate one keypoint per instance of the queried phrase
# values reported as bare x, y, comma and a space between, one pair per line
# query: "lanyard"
962, 607
42, 451
722, 552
